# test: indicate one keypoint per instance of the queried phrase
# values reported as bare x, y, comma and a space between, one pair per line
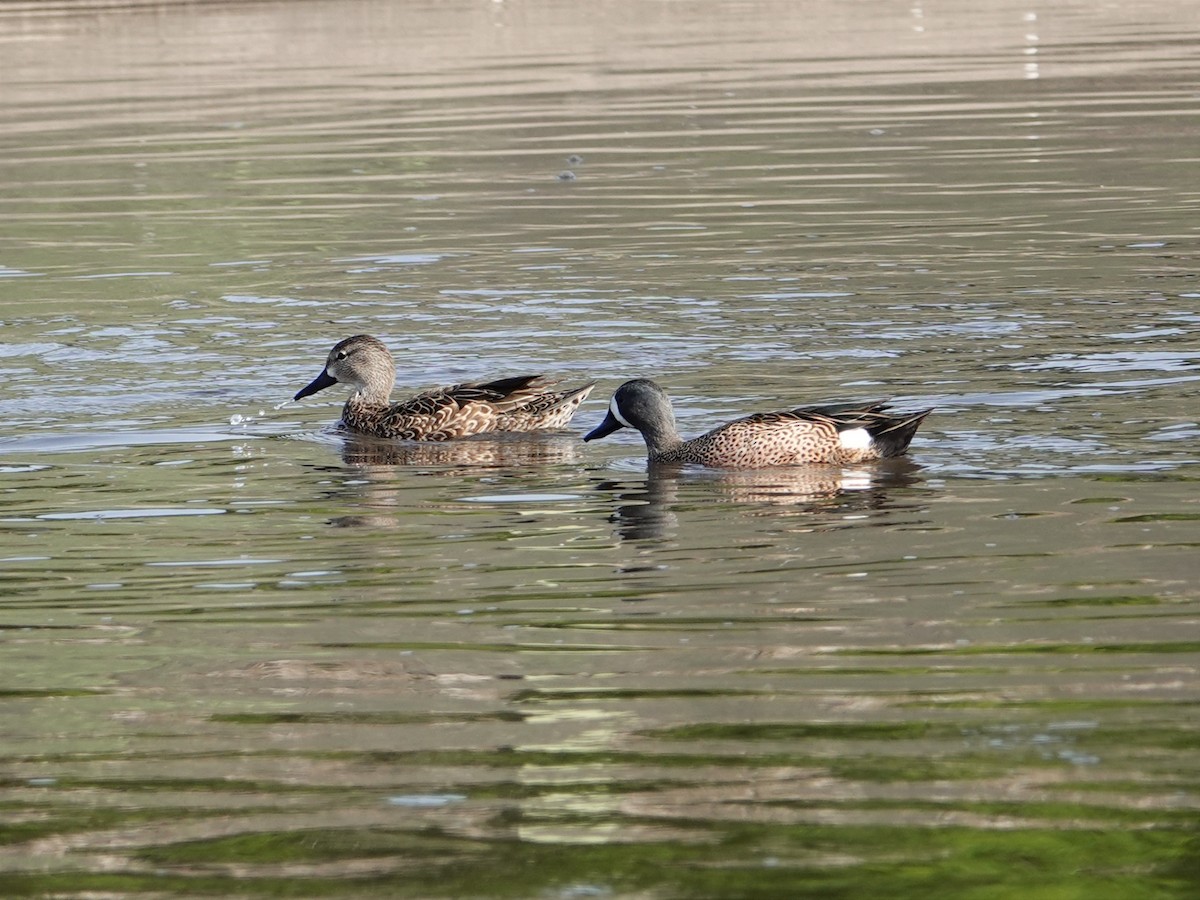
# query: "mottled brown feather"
806, 435
440, 414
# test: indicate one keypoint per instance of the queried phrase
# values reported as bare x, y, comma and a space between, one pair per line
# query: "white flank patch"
855, 439
612, 408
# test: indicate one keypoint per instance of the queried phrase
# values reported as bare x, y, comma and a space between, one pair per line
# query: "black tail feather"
892, 435
505, 387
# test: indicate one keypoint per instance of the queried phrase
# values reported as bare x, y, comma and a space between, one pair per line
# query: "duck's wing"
890, 433
841, 410
551, 409
836, 416
459, 410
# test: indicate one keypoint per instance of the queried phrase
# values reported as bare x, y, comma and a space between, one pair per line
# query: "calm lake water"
243, 656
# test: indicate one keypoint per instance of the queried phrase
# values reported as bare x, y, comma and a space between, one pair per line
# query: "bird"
842, 433
364, 363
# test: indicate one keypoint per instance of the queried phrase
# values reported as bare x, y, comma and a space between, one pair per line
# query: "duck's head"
362, 362
639, 404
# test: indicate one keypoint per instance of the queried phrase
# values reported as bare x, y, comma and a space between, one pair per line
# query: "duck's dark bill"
319, 383
607, 427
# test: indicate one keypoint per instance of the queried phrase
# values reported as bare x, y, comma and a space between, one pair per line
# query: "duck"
365, 364
839, 434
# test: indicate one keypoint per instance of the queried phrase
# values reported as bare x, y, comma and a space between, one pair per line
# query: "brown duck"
838, 434
441, 414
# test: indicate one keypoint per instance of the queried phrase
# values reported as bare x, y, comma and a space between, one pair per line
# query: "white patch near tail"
855, 439
612, 408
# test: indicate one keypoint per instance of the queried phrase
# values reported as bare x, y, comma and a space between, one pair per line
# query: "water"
245, 655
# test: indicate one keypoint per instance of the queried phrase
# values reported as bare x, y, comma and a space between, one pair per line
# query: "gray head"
643, 405
362, 362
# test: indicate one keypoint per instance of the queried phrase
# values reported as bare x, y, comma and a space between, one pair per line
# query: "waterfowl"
506, 404
838, 434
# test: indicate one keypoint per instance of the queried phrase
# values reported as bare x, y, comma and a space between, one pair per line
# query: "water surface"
244, 655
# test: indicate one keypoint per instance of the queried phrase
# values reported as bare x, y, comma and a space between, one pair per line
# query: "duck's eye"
341, 354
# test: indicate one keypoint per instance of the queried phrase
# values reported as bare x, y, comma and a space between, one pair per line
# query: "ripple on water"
425, 801
521, 498
538, 667
146, 513
214, 563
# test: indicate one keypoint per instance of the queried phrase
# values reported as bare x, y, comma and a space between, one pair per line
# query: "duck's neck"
375, 392
661, 438
367, 400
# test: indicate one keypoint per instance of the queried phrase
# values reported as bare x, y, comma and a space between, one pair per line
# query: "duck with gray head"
462, 410
837, 434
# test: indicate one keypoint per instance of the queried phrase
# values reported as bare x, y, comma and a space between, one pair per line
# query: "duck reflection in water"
499, 450
646, 508
382, 465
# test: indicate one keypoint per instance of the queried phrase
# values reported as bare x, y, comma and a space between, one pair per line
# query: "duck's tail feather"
891, 435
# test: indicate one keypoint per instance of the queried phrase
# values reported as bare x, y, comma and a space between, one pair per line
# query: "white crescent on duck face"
838, 434
365, 364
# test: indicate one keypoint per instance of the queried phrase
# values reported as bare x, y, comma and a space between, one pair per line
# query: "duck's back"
763, 440
465, 410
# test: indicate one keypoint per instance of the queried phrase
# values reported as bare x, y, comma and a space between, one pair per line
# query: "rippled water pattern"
244, 655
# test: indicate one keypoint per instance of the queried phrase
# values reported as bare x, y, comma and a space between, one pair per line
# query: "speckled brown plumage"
461, 410
837, 434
